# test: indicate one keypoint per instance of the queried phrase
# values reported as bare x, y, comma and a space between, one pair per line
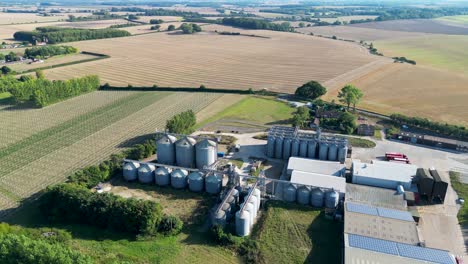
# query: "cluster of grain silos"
186, 151
306, 195
285, 142
227, 209
177, 178
247, 215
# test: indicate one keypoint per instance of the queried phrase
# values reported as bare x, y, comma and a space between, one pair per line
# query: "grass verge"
462, 191
361, 142
377, 134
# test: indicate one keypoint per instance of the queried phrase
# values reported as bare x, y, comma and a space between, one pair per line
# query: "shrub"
182, 123
311, 90
170, 225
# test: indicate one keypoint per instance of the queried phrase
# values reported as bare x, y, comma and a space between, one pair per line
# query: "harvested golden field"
280, 61
93, 24
347, 18
7, 31
21, 18
143, 29
147, 19
22, 67
416, 91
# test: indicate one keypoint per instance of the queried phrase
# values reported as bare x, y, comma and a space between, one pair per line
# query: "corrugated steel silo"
303, 195
303, 148
162, 176
312, 149
249, 208
271, 147
130, 171
342, 152
235, 195
295, 148
166, 149
242, 223
179, 178
333, 152
146, 173
258, 194
213, 184
254, 202
220, 218
287, 148
331, 199
279, 148
196, 181
226, 207
289, 193
206, 153
323, 151
185, 152
316, 197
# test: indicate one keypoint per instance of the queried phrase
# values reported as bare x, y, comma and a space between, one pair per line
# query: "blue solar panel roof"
373, 244
362, 208
395, 214
427, 254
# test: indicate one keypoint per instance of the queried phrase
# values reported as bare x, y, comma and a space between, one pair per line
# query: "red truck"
396, 157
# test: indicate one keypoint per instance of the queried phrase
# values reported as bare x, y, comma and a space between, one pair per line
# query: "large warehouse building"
383, 174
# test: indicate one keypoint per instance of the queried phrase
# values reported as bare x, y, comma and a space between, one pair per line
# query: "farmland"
279, 62
463, 20
297, 234
21, 18
417, 25
56, 60
79, 132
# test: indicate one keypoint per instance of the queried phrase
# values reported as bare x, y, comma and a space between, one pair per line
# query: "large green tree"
301, 117
347, 122
311, 90
350, 95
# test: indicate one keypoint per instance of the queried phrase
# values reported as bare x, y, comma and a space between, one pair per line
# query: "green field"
463, 19
446, 52
258, 110
361, 142
462, 191
290, 233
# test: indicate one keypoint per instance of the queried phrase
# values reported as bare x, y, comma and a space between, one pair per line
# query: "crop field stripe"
32, 148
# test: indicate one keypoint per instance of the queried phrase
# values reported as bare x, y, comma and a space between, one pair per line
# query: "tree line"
182, 123
252, 23
49, 51
190, 28
53, 35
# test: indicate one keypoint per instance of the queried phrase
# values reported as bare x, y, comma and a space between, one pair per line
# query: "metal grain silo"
220, 218
331, 199
342, 152
130, 171
333, 152
196, 181
316, 197
303, 149
205, 153
271, 147
279, 148
287, 148
249, 208
242, 223
185, 152
226, 207
213, 184
179, 178
295, 148
166, 149
146, 173
162, 176
235, 195
258, 194
323, 151
253, 200
289, 193
312, 149
303, 195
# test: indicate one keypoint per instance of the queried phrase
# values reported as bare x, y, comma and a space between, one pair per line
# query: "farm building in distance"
434, 141
383, 174
365, 130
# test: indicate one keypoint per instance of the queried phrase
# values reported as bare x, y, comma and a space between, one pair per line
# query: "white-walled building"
383, 174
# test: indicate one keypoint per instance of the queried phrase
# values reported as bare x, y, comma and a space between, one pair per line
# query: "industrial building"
320, 180
363, 249
375, 196
440, 187
315, 166
425, 183
383, 174
284, 142
418, 138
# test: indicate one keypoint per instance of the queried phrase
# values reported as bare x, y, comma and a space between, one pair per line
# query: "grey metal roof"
380, 211
375, 196
361, 208
362, 256
386, 247
385, 170
316, 166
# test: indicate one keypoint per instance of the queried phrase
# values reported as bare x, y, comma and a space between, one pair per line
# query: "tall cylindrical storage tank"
249, 208
213, 184
179, 178
333, 152
235, 195
253, 200
196, 181
242, 223
303, 195
279, 148
323, 151
303, 149
289, 193
258, 194
166, 149
205, 153
162, 176
220, 218
331, 199
295, 148
312, 149
185, 152
130, 171
316, 197
226, 207
146, 173
287, 148
342, 151
271, 147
